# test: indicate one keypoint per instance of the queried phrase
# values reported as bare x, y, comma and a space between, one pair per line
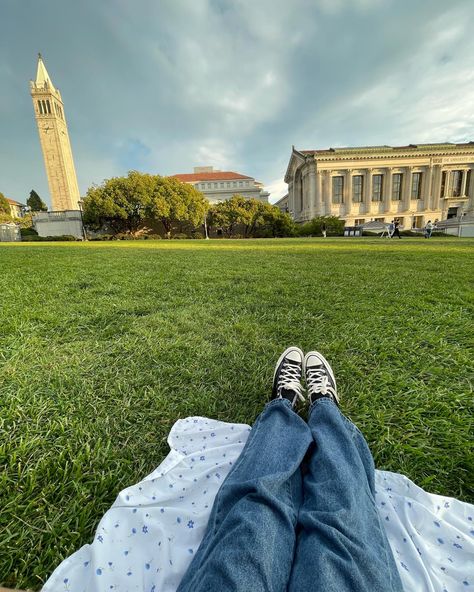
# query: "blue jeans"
296, 512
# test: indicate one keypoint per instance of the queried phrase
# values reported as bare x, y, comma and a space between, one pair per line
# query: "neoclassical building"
413, 183
221, 185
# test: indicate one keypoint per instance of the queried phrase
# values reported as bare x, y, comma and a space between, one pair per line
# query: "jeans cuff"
324, 401
277, 402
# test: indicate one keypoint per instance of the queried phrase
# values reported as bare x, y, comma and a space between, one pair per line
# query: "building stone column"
328, 193
305, 194
299, 196
319, 209
427, 188
291, 198
436, 187
312, 192
407, 189
368, 191
348, 192
470, 203
446, 183
463, 184
387, 190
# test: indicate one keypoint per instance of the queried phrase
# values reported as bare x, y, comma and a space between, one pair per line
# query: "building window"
397, 180
416, 186
399, 220
241, 184
455, 184
44, 107
377, 187
443, 184
48, 105
40, 107
357, 188
338, 190
379, 219
359, 221
417, 222
452, 212
228, 184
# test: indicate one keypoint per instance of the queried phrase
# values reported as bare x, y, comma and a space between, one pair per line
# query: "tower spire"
42, 76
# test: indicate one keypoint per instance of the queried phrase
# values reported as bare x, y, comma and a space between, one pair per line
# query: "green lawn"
103, 346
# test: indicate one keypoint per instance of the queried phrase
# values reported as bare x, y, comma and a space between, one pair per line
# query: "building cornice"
389, 152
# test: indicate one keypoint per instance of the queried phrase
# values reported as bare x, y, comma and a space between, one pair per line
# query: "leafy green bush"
334, 226
197, 235
28, 232
37, 239
180, 236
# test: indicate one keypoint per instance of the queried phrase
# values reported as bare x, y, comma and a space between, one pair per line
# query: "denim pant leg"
342, 545
250, 538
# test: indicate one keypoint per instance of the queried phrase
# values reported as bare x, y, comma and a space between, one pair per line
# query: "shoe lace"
318, 383
290, 379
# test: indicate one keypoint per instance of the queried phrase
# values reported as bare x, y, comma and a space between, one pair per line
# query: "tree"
256, 218
230, 213
35, 203
124, 203
4, 205
120, 203
173, 202
278, 223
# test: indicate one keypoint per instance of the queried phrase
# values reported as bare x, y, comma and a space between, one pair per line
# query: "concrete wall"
59, 223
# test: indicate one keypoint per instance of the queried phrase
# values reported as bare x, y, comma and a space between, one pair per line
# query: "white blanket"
147, 539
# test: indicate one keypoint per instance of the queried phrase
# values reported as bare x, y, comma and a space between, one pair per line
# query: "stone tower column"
387, 190
55, 144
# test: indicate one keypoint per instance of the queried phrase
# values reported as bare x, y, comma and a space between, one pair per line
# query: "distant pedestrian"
428, 229
324, 230
396, 230
391, 228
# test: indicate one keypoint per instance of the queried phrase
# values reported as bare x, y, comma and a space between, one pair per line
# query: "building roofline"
386, 148
211, 176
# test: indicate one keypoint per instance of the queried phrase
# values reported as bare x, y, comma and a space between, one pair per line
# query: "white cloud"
235, 84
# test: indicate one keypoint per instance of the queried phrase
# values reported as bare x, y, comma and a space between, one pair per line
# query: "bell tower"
54, 137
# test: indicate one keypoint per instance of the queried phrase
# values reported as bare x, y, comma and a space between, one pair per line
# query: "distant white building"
282, 204
16, 208
221, 185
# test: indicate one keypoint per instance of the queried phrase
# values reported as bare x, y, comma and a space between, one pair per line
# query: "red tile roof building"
221, 185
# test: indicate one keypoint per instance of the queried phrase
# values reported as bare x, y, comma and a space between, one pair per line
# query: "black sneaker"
320, 380
287, 376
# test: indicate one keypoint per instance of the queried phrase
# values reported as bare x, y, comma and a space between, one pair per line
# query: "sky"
161, 86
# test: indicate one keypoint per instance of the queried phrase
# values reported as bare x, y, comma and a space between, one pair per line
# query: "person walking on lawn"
297, 512
428, 229
396, 229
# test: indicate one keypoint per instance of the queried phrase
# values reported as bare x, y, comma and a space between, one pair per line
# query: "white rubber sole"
325, 363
